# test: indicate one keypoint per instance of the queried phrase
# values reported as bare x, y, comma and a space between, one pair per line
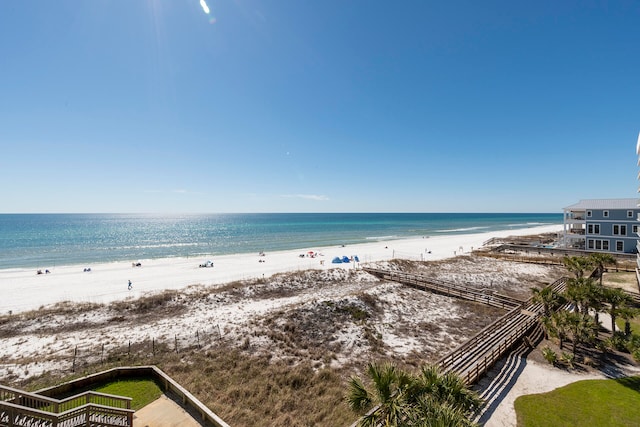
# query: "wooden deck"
23, 409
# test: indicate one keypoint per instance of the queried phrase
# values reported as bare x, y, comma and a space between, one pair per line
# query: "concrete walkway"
163, 412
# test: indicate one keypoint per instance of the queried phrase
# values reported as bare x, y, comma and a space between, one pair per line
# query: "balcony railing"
577, 231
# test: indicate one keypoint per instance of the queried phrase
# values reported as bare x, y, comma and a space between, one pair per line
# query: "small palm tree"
577, 265
581, 328
549, 298
628, 313
576, 292
445, 388
600, 261
401, 399
557, 326
618, 300
388, 393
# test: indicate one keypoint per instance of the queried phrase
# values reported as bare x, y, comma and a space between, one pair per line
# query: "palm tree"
618, 300
557, 325
446, 388
628, 313
549, 298
548, 327
430, 414
577, 265
578, 293
427, 399
385, 403
580, 327
600, 260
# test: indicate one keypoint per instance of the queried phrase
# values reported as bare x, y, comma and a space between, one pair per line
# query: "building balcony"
576, 231
574, 221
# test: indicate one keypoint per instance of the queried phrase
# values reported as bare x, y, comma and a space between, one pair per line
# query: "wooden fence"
86, 354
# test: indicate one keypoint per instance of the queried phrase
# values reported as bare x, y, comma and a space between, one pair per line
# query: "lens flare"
204, 6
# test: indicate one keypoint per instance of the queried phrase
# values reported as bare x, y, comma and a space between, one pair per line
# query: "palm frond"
358, 398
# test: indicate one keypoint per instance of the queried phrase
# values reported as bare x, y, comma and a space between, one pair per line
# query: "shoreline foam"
24, 290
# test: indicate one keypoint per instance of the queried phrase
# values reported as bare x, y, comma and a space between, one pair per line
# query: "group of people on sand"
45, 272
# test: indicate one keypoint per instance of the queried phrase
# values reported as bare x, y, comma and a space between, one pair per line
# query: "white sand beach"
34, 352
25, 290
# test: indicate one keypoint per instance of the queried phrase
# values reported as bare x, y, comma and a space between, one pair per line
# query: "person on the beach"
130, 285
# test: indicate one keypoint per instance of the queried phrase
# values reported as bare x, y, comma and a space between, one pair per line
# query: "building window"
588, 214
605, 214
629, 214
619, 245
598, 244
635, 229
619, 230
593, 228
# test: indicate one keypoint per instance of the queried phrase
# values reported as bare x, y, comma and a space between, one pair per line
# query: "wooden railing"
166, 383
49, 404
21, 408
478, 354
469, 293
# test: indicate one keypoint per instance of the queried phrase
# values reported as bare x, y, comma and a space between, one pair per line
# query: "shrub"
549, 355
617, 341
568, 358
633, 343
603, 346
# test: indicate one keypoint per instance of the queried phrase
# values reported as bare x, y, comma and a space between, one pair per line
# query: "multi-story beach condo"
604, 225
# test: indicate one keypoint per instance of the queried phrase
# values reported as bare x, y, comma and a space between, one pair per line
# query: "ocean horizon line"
291, 213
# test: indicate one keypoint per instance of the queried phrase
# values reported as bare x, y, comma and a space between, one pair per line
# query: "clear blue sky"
317, 106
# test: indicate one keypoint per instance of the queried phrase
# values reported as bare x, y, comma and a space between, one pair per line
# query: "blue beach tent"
356, 259
337, 260
345, 259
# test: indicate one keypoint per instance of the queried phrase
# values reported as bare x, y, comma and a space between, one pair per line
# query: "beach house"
605, 225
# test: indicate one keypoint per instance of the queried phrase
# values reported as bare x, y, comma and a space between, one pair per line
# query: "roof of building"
605, 204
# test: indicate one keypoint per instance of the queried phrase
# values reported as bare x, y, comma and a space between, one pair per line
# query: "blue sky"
326, 106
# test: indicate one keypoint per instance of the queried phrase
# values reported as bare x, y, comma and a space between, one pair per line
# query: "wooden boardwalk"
484, 296
476, 356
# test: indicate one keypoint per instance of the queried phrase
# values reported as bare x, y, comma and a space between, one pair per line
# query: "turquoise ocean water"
43, 240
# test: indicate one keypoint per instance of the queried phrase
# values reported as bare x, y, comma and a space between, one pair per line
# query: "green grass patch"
617, 278
591, 403
142, 392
